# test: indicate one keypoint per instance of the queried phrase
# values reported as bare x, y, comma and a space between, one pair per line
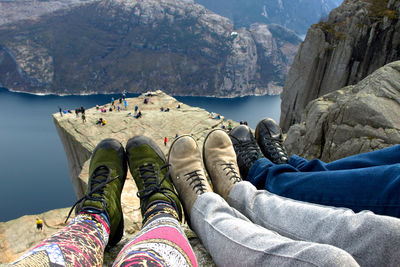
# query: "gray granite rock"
358, 38
174, 45
355, 119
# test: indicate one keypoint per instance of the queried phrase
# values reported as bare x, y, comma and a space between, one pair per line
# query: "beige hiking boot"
187, 172
220, 162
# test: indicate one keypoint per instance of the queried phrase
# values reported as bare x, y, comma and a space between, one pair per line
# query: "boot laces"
249, 152
99, 178
196, 181
152, 184
276, 149
230, 170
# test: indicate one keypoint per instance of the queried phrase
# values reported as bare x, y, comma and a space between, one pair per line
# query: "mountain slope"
296, 15
116, 45
358, 38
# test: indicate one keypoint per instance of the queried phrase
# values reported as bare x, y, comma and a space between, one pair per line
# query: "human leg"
230, 238
372, 188
269, 138
371, 239
99, 221
80, 243
233, 240
381, 157
358, 234
161, 240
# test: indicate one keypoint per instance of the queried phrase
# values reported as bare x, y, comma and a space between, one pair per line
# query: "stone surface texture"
296, 15
182, 48
79, 139
358, 38
355, 119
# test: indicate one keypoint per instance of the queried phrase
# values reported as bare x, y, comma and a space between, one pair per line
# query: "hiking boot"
269, 138
220, 162
107, 177
151, 173
246, 148
187, 171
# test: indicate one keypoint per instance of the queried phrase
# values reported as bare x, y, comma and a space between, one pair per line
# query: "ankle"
160, 208
96, 212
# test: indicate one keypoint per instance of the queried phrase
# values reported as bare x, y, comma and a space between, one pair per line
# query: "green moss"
378, 9
329, 28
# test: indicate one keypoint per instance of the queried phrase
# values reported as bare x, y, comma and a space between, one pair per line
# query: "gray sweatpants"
262, 229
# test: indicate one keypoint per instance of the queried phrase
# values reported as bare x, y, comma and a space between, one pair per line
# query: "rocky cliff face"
296, 15
79, 139
358, 38
355, 119
116, 45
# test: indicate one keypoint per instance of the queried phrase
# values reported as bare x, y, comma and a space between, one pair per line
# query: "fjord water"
34, 171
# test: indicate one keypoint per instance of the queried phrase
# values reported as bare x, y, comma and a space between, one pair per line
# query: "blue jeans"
368, 181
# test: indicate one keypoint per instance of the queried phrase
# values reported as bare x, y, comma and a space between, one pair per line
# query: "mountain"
84, 47
358, 38
296, 15
354, 119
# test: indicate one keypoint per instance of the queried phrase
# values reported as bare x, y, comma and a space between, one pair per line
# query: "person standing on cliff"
60, 110
83, 118
39, 224
126, 104
165, 141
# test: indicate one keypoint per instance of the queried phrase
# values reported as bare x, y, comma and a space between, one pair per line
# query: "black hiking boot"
107, 177
151, 173
246, 148
269, 138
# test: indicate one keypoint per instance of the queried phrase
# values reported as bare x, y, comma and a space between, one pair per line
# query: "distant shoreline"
120, 93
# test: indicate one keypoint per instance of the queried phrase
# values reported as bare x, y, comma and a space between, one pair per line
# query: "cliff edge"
355, 119
79, 139
358, 38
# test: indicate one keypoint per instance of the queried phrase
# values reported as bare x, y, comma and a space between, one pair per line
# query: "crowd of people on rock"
115, 105
103, 109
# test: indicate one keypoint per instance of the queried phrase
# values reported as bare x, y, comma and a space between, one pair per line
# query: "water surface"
34, 171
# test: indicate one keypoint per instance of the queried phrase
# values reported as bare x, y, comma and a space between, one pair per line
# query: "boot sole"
118, 234
257, 131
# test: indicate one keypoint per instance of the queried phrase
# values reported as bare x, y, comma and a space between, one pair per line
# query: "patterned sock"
161, 242
157, 208
80, 243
